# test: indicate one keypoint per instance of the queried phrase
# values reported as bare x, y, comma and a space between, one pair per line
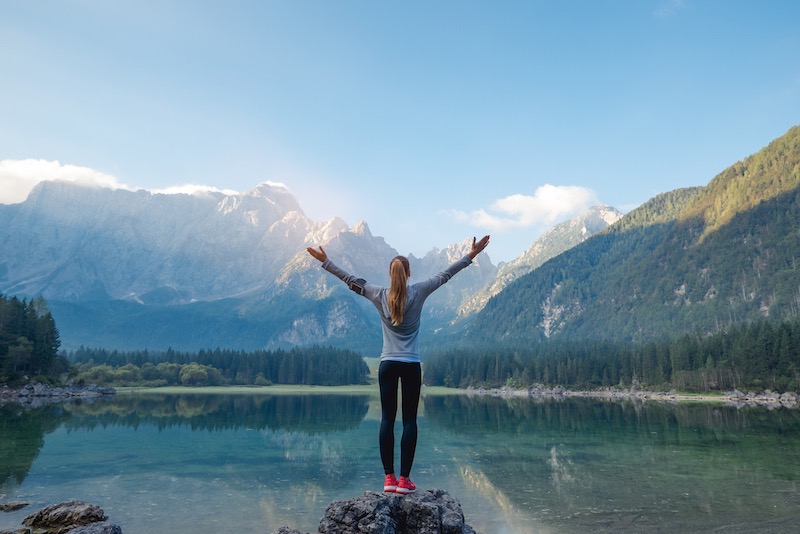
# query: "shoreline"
735, 398
37, 394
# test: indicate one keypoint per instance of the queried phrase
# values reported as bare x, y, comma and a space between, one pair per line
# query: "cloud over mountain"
548, 204
19, 176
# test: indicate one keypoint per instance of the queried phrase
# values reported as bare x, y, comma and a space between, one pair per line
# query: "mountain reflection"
308, 414
23, 430
555, 459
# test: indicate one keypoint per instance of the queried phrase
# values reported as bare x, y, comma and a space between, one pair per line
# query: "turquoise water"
241, 463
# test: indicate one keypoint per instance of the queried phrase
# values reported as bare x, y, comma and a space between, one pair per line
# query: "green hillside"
694, 260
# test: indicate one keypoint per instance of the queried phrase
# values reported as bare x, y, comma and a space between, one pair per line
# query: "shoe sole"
405, 491
390, 489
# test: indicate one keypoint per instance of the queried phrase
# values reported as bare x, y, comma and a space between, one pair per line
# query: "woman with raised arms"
400, 309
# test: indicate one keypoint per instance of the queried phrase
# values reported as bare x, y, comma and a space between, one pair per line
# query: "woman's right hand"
318, 254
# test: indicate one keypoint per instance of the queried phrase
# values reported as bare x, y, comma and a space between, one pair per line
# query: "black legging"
410, 376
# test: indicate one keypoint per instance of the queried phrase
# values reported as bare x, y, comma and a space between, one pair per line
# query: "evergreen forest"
755, 356
29, 342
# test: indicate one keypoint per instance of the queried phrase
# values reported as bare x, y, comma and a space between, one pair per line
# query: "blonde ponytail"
398, 278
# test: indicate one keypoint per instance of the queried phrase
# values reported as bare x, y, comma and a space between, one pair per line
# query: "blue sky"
431, 121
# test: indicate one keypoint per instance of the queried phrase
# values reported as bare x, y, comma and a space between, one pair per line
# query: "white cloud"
548, 205
18, 177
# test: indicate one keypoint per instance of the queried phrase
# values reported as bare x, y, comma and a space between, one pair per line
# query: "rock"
65, 517
13, 506
103, 527
425, 512
35, 394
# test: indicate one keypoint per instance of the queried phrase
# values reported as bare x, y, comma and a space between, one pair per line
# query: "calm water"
222, 463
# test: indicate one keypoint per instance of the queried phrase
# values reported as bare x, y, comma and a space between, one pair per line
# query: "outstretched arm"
477, 246
430, 285
356, 284
320, 254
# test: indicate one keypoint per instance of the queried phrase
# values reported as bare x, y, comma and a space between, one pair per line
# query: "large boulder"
426, 512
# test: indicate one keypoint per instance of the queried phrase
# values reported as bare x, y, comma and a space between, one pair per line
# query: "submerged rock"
425, 512
73, 517
13, 506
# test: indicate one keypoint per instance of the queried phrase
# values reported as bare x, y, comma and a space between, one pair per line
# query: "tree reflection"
675, 422
573, 460
23, 430
22, 434
309, 414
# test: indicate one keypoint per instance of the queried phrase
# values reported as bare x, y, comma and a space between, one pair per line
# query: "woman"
400, 309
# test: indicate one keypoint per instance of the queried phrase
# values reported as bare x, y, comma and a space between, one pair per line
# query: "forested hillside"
696, 260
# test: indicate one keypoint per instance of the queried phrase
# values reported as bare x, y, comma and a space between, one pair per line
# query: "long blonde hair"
398, 278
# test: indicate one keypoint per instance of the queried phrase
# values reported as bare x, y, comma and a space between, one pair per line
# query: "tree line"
324, 366
29, 351
756, 356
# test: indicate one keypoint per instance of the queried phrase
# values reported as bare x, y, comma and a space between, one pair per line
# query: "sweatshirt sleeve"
435, 282
338, 272
359, 285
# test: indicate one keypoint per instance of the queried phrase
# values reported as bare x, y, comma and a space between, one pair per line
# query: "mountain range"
132, 270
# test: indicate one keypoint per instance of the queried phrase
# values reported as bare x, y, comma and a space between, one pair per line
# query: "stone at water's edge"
73, 517
36, 394
425, 512
13, 506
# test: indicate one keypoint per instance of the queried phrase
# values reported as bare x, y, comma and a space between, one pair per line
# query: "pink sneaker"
390, 484
405, 486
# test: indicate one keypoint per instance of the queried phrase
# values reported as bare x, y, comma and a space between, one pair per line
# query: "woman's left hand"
318, 254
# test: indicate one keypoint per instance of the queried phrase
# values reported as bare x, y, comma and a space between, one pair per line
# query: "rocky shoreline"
37, 394
769, 399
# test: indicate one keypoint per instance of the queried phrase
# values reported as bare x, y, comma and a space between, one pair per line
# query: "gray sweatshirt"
400, 342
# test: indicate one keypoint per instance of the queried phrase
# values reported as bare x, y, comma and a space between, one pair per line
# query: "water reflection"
584, 465
291, 422
21, 438
214, 463
309, 414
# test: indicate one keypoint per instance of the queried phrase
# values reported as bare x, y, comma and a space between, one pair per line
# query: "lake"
252, 463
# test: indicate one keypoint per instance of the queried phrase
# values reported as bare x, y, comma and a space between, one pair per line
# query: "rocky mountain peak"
558, 239
361, 228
